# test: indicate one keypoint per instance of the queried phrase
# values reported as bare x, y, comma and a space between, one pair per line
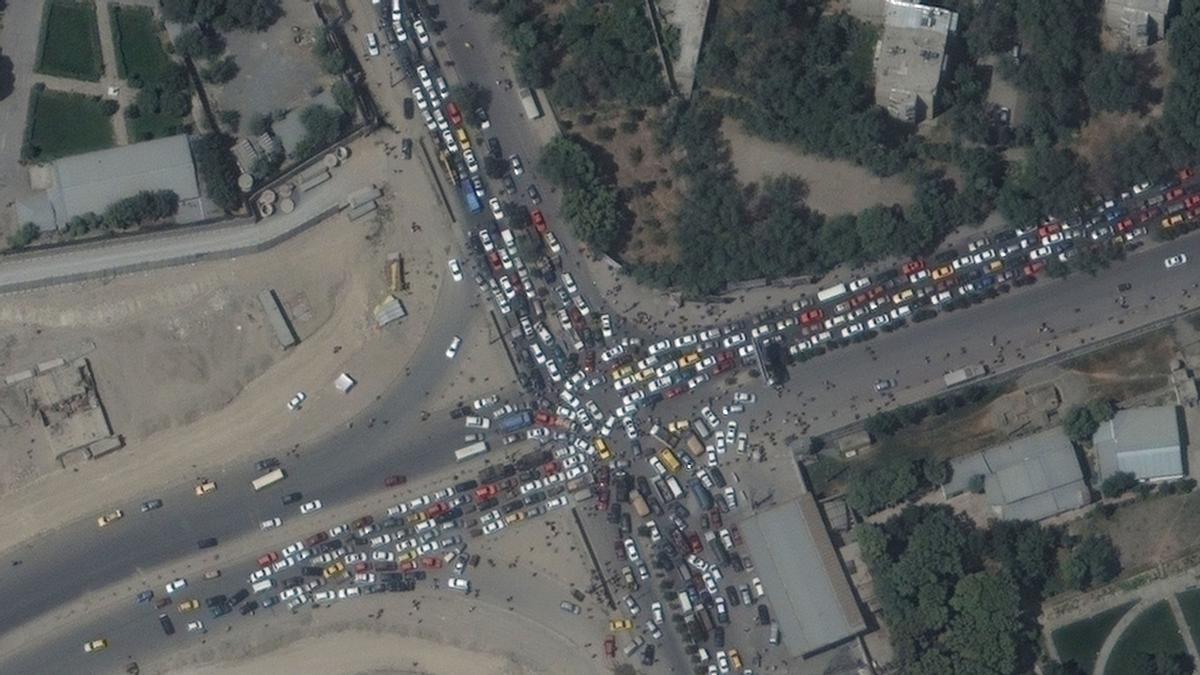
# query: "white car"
426, 80
517, 167
497, 210
196, 627
1175, 261
452, 350
270, 523
458, 584
314, 505
743, 397
631, 550
469, 159
569, 283
606, 326
177, 585
350, 592
419, 29
372, 44
455, 269
297, 401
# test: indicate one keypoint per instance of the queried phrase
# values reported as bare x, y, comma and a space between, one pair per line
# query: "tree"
1118, 484
198, 43
24, 236
218, 170
983, 636
937, 472
257, 15
1158, 663
343, 95
993, 28
259, 124
470, 98
1093, 561
222, 71
881, 231
322, 127
1080, 425
884, 486
1026, 549
1049, 181
1114, 83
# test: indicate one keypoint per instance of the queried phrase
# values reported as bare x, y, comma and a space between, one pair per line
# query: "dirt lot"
827, 179
1151, 531
1130, 369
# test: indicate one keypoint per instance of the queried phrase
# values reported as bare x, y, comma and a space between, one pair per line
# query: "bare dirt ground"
183, 360
1149, 532
834, 186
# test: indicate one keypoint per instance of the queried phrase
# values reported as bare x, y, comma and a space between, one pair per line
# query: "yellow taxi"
688, 359
602, 449
1172, 221
95, 646
337, 569
620, 624
188, 605
902, 296
110, 518
735, 659
204, 487
623, 371
942, 272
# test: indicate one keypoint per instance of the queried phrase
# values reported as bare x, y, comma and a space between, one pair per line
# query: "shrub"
24, 236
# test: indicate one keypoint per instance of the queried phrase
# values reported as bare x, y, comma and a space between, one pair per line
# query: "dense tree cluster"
608, 55
140, 209
1118, 484
218, 170
805, 79
170, 94
224, 15
884, 485
1049, 181
590, 201
323, 126
1082, 421
959, 600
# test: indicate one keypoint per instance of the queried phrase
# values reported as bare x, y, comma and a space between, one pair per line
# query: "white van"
397, 14
774, 633
263, 586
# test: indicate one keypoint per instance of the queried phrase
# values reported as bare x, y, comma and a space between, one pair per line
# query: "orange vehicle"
431, 562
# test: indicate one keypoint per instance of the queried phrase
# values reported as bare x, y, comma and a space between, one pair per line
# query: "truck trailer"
530, 103
965, 374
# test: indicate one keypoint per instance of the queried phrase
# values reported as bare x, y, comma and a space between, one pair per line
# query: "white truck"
530, 103
965, 374
827, 294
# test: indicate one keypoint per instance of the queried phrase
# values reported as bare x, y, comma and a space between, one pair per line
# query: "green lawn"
61, 124
140, 52
70, 41
1154, 632
1081, 641
1189, 602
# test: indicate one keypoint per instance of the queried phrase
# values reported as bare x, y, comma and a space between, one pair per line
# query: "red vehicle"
1148, 214
408, 565
362, 567
494, 260
394, 480
674, 391
1193, 214
736, 534
1174, 194
589, 362
602, 499
431, 562
434, 510
315, 539
543, 418
1125, 225
267, 559
1047, 230
610, 646
859, 299
484, 492
539, 221
550, 468
694, 542
714, 517
1185, 174
913, 267
722, 366
1034, 267
362, 522
726, 355
1192, 201
812, 316
454, 114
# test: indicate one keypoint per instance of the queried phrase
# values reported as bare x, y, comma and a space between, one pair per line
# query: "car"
190, 605
394, 480
452, 350
151, 505
419, 97
569, 607
744, 397
95, 645
104, 520
178, 584
517, 167
497, 210
419, 29
372, 44
296, 401
1175, 261
207, 542
632, 604
309, 507
469, 159
145, 596
620, 624
883, 385
455, 269
534, 195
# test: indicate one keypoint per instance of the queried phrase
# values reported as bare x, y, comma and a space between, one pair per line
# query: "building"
1143, 441
910, 58
89, 183
1028, 478
811, 597
1137, 23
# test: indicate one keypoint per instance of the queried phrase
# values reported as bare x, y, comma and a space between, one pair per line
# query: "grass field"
1081, 641
1189, 602
1153, 632
140, 52
62, 124
70, 41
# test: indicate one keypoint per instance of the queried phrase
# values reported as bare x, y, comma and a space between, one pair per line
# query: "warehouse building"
1028, 478
1137, 23
1143, 441
89, 183
810, 592
910, 58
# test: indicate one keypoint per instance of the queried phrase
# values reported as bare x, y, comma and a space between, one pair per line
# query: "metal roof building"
1143, 441
1137, 23
911, 57
1028, 478
810, 594
90, 182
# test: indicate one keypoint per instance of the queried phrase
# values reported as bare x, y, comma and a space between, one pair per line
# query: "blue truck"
514, 421
703, 497
470, 197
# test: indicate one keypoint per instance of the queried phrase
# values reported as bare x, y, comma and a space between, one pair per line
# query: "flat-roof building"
90, 182
1029, 478
1143, 441
1137, 23
910, 58
810, 592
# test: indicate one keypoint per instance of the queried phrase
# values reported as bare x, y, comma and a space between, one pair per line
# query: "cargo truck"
267, 479
694, 446
514, 421
827, 294
472, 450
470, 197
966, 374
530, 103
639, 504
703, 497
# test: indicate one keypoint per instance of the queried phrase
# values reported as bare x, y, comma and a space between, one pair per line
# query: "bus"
267, 479
472, 450
674, 486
